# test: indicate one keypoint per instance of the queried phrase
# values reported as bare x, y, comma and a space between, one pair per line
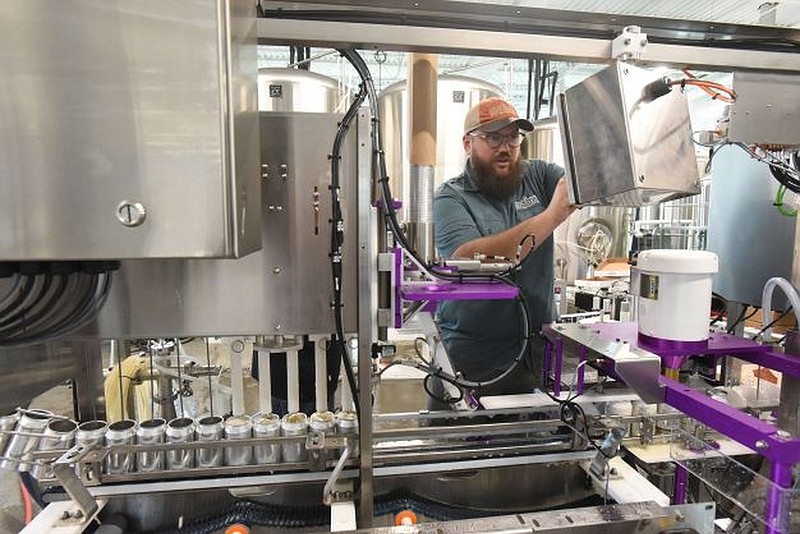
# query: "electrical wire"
26, 500
782, 208
716, 91
773, 323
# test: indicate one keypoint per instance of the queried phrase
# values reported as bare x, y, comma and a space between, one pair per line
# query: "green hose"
782, 208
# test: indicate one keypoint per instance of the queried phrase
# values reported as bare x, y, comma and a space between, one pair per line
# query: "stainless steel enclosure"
622, 150
128, 129
285, 288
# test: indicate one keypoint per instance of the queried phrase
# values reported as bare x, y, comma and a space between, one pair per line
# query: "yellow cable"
118, 403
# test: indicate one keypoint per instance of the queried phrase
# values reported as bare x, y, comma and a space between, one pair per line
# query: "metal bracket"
630, 44
64, 470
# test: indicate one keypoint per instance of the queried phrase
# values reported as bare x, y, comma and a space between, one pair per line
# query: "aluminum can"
210, 428
120, 433
17, 454
150, 432
266, 425
180, 430
59, 435
294, 424
238, 427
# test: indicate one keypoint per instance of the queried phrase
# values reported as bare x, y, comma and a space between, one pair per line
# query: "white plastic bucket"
674, 294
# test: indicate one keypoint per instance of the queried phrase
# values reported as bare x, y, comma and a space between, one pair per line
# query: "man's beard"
494, 185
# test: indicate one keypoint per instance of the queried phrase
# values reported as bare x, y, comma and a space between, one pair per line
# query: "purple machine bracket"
780, 448
435, 291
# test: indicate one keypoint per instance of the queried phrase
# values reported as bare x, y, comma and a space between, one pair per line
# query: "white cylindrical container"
674, 298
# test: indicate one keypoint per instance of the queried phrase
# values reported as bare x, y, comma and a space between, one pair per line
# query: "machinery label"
649, 286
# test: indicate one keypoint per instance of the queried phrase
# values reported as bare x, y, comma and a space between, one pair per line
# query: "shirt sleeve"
550, 173
453, 222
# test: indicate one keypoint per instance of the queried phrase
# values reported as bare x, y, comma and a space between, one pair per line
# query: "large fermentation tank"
283, 89
590, 234
134, 135
456, 95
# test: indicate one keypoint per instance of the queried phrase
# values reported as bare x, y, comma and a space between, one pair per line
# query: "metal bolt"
783, 434
643, 42
277, 327
679, 517
641, 177
761, 444
279, 208
271, 208
65, 515
627, 41
276, 270
78, 514
131, 213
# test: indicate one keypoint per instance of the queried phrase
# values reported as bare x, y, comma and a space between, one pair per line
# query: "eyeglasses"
496, 140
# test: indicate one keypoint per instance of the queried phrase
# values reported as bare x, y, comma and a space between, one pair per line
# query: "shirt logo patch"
527, 202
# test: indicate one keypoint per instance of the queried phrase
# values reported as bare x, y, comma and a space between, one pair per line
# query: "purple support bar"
679, 491
749, 431
557, 367
548, 358
777, 513
398, 282
439, 291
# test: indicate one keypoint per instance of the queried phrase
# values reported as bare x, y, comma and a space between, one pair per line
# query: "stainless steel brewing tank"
456, 95
601, 230
297, 90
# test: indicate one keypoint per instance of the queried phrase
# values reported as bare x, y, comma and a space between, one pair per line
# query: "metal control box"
766, 109
621, 149
284, 288
128, 129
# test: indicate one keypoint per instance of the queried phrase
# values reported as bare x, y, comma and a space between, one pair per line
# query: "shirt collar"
470, 181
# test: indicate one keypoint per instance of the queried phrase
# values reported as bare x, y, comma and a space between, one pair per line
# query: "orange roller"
238, 528
405, 518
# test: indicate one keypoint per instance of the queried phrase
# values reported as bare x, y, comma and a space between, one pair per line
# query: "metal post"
789, 406
89, 380
581, 370
777, 514
679, 491
558, 357
367, 269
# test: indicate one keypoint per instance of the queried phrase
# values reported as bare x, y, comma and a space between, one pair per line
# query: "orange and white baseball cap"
493, 114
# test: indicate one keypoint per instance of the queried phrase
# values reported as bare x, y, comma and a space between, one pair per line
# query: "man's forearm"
506, 243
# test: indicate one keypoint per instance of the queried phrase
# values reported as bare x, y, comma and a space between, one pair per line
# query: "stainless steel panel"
106, 105
743, 191
622, 151
766, 110
570, 258
285, 288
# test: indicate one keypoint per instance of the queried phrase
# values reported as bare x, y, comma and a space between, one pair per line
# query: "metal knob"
131, 213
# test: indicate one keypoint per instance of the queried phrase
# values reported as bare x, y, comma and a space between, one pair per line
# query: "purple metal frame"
435, 291
781, 449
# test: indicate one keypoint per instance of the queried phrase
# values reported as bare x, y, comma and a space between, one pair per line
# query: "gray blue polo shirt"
486, 335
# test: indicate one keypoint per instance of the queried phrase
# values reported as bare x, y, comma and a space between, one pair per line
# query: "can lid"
237, 422
294, 420
678, 261
263, 420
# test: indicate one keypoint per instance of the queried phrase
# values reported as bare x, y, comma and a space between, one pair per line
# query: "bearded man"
499, 202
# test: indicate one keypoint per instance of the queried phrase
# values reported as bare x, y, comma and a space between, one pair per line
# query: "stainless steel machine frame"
417, 37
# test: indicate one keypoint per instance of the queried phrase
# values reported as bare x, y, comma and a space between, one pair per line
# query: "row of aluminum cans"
39, 430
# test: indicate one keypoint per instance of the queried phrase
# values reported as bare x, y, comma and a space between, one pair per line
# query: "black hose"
32, 488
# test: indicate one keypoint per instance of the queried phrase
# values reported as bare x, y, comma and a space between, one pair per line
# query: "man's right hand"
560, 208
